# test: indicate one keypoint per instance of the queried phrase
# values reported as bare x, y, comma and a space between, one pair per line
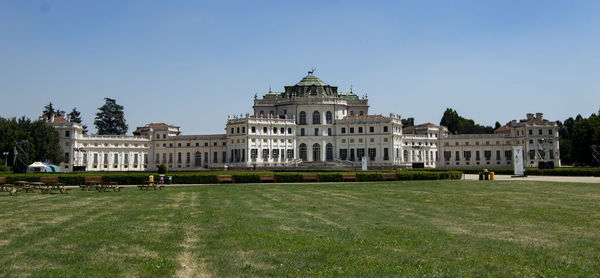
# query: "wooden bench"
348, 177
388, 176
264, 178
224, 178
4, 186
91, 182
310, 177
52, 183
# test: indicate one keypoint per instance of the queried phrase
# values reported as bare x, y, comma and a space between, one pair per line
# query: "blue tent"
43, 167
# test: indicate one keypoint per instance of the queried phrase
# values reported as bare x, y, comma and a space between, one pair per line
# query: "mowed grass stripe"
421, 228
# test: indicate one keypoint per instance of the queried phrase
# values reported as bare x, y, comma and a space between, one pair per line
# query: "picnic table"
24, 186
4, 186
109, 185
52, 183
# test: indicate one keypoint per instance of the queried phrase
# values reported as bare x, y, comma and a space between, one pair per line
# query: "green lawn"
413, 228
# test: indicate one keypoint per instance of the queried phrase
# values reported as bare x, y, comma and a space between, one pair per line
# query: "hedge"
240, 177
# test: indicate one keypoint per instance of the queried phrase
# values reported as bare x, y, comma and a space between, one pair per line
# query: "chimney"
539, 116
529, 116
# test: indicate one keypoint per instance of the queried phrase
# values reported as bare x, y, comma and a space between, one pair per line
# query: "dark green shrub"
288, 177
368, 176
162, 169
329, 177
4, 168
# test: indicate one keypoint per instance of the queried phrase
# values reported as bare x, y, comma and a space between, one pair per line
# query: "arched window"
302, 149
198, 159
316, 152
328, 118
329, 152
316, 118
302, 118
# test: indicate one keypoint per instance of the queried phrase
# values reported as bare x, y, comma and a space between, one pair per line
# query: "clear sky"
191, 63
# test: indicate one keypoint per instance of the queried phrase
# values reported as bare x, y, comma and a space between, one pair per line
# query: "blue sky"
191, 63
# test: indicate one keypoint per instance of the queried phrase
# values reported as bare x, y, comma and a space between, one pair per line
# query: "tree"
497, 125
408, 122
459, 125
48, 111
110, 120
33, 141
76, 118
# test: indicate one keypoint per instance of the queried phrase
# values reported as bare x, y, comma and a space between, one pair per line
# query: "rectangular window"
531, 154
253, 129
360, 153
253, 154
67, 157
145, 158
351, 155
498, 155
126, 158
289, 130
386, 154
371, 129
67, 133
188, 157
477, 155
215, 156
385, 129
275, 154
243, 129
372, 154
316, 132
224, 157
157, 158
539, 132
179, 157
265, 154
487, 155
116, 161
351, 130
95, 158
508, 155
467, 155
328, 131
531, 132
282, 130
551, 153
360, 129
274, 130
343, 154
265, 130
457, 156
84, 158
302, 132
343, 130
171, 158
549, 131
290, 154
205, 157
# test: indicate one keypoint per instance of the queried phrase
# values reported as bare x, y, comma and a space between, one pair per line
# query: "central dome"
310, 80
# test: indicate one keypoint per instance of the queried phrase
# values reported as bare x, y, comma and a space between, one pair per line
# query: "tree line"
24, 141
580, 140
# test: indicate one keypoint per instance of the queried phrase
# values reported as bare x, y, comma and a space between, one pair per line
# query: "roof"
157, 125
418, 126
60, 120
310, 80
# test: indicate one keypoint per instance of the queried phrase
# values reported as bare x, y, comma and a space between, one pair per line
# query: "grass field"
413, 228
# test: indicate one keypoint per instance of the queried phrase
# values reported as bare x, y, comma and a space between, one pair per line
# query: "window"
385, 129
316, 118
508, 155
372, 154
84, 158
447, 155
551, 153
170, 158
487, 154
360, 153
531, 132
371, 129
498, 157
290, 154
467, 155
253, 129
145, 159
289, 130
371, 140
67, 133
232, 130
302, 118
116, 161
215, 157
316, 152
329, 152
539, 132
302, 149
477, 155
205, 157
351, 155
549, 131
206, 144
187, 145
360, 129
274, 130
351, 130
164, 160
343, 154
253, 154
67, 157
275, 154
329, 131
126, 159
105, 158
224, 157
531, 154
316, 132
188, 157
157, 158
302, 132
343, 130
243, 129
328, 118
265, 154
179, 157
265, 129
361, 113
282, 130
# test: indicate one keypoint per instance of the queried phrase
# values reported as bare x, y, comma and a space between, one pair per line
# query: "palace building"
311, 125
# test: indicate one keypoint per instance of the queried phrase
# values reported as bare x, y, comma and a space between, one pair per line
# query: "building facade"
309, 124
